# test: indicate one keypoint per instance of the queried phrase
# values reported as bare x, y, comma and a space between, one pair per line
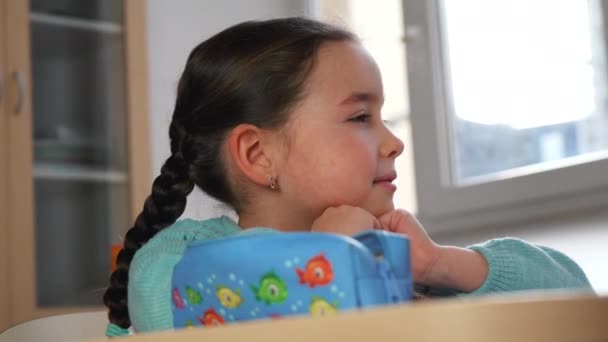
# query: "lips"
389, 177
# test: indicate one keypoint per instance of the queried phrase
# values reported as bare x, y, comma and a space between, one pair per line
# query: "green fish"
193, 296
272, 289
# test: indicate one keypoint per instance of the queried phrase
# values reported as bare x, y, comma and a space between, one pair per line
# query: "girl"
281, 120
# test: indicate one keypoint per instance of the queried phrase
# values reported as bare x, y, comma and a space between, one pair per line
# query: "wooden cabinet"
4, 285
74, 148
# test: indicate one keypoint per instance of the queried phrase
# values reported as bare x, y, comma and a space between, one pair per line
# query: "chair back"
65, 328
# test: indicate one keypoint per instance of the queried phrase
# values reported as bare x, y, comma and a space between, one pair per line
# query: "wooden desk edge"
560, 317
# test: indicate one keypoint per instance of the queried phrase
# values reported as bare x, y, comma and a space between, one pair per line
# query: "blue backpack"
263, 276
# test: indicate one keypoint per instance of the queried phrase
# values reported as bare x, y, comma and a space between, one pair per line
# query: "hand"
434, 265
424, 252
345, 220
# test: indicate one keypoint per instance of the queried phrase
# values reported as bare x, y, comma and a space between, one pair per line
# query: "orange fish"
211, 318
318, 272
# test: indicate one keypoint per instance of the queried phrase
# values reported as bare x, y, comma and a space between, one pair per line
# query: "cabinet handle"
1, 90
20, 91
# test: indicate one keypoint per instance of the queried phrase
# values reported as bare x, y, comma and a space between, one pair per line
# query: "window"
509, 108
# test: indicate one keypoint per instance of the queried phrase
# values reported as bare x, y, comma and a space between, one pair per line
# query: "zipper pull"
390, 282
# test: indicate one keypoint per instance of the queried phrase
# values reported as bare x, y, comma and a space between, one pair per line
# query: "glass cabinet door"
80, 146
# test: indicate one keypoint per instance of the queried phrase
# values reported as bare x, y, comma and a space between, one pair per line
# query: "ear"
249, 150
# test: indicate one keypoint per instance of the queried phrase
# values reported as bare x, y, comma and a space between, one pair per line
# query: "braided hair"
254, 73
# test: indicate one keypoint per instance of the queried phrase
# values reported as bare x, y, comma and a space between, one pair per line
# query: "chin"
378, 209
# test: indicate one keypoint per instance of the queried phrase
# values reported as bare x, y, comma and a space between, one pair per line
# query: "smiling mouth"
386, 183
383, 181
389, 178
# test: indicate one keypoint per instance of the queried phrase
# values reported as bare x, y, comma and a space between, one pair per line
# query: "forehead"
342, 69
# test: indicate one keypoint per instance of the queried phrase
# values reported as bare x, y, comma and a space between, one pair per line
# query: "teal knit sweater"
513, 265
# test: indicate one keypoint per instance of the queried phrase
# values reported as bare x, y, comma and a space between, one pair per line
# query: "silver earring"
272, 183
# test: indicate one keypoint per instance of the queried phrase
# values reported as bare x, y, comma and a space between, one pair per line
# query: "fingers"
397, 220
346, 220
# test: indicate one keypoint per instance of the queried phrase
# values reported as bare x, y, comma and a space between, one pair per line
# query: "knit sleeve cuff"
503, 274
114, 330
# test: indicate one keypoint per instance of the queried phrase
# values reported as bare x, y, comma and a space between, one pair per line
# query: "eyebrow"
362, 97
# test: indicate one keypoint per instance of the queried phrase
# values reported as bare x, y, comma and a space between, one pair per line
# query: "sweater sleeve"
518, 265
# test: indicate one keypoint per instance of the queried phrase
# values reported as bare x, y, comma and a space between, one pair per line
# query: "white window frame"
519, 195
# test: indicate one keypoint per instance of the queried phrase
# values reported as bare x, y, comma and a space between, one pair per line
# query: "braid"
161, 209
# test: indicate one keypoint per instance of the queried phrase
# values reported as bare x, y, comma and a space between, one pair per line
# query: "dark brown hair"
253, 72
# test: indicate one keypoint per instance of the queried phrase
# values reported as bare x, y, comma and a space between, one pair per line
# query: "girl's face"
338, 150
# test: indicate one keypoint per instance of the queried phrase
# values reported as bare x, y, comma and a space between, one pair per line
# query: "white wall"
174, 28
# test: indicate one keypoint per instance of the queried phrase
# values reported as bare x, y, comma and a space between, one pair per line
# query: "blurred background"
502, 106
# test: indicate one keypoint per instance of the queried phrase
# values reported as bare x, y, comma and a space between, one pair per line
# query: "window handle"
411, 34
18, 77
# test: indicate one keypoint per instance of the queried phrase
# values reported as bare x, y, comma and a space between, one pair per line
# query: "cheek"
333, 173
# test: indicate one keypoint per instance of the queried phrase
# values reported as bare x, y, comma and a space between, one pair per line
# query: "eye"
361, 118
273, 290
318, 272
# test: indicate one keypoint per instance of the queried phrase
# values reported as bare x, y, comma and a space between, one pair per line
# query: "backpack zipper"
390, 282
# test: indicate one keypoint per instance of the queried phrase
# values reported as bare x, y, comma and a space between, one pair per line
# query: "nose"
391, 146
